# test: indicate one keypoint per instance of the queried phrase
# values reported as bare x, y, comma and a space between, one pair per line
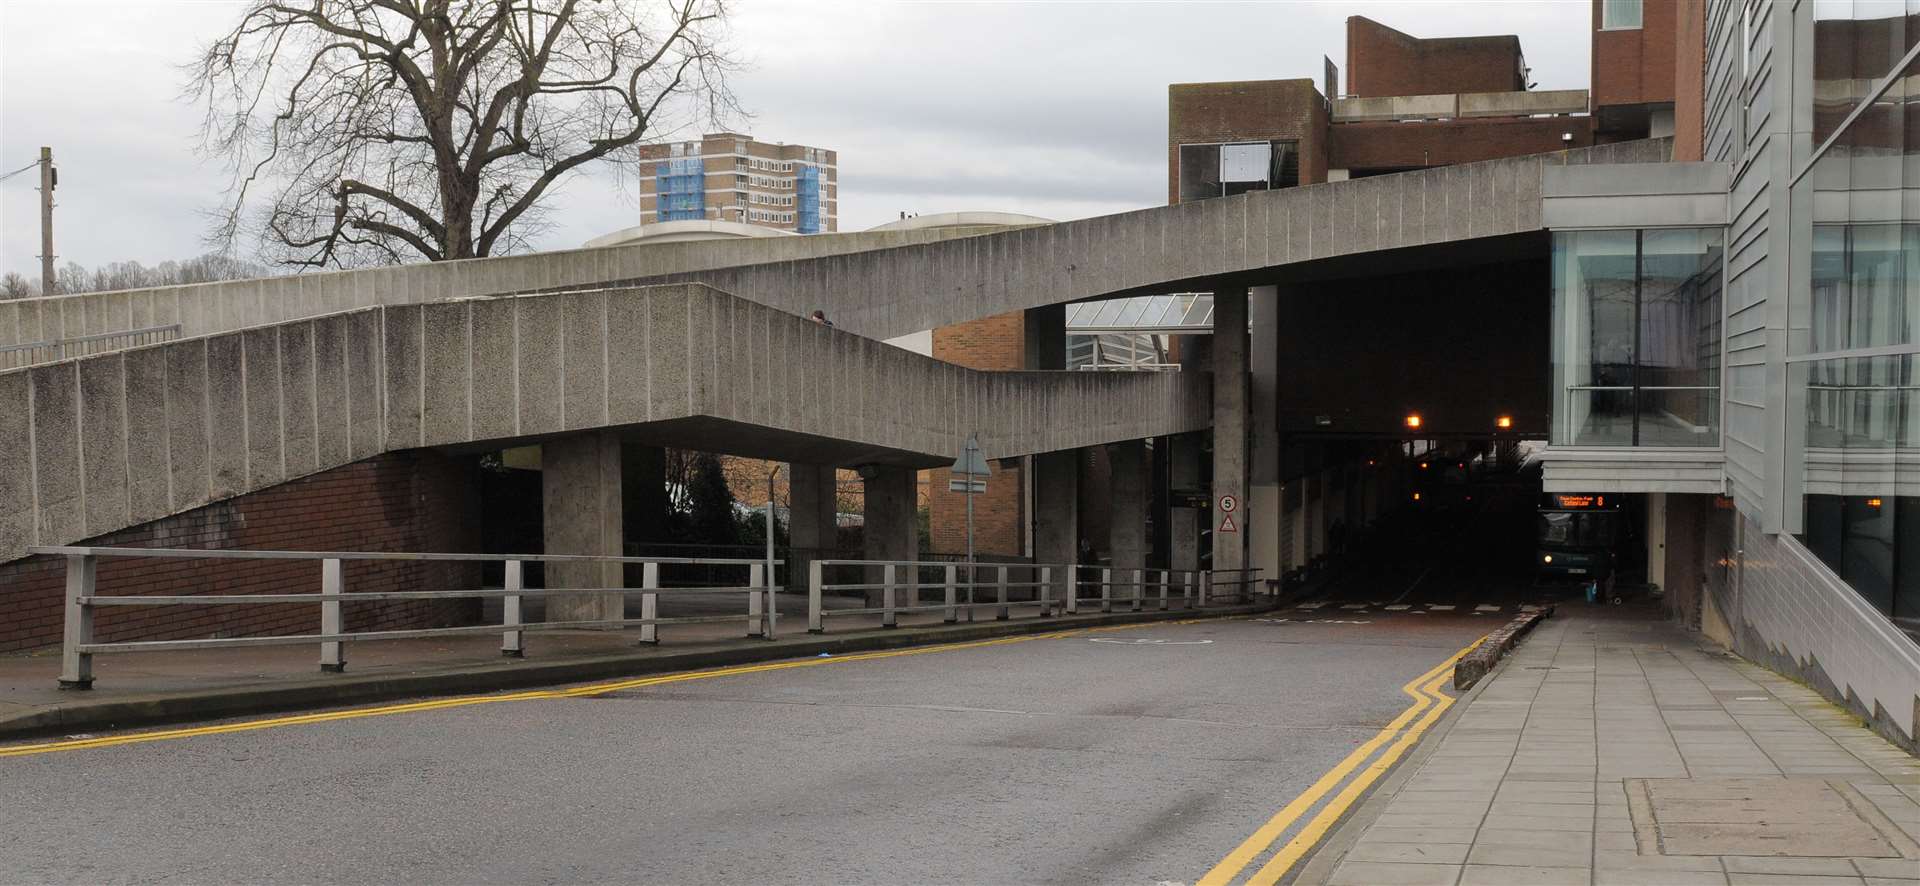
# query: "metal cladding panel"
103, 441
446, 412
146, 439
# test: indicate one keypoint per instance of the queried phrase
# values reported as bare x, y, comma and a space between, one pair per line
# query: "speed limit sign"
1228, 504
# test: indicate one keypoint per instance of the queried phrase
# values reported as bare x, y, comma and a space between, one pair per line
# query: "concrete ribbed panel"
10, 332
366, 373
140, 309
17, 511
56, 450
146, 438
300, 437
401, 362
226, 415
629, 357
103, 442
330, 417
266, 462
584, 340
669, 381
493, 409
446, 414
541, 358
186, 428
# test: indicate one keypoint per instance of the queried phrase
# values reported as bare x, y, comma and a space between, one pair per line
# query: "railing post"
952, 615
756, 617
333, 658
1106, 589
1165, 577
910, 583
1139, 587
1001, 583
1073, 588
814, 621
76, 667
1206, 584
649, 603
887, 619
1186, 590
1046, 592
773, 604
512, 639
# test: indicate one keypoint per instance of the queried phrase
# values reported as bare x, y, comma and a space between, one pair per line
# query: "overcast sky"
1052, 108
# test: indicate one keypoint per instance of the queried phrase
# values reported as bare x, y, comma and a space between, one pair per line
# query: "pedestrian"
820, 317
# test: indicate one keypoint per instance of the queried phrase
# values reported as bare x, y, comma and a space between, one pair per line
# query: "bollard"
333, 657
512, 640
76, 666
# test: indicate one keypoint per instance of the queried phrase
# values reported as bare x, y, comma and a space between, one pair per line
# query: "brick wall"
1390, 145
1384, 62
1206, 113
1635, 65
989, 343
407, 501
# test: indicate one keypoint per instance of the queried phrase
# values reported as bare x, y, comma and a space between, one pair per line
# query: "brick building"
727, 176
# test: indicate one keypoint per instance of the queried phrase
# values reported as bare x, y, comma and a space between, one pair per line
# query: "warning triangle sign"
1226, 524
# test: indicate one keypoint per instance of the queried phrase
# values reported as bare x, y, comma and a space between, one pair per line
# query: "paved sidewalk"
1613, 748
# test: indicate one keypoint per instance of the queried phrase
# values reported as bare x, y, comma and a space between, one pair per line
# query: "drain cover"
1753, 816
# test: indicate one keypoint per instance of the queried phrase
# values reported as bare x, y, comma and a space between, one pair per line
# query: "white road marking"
1398, 607
1314, 605
1354, 606
1486, 607
1440, 607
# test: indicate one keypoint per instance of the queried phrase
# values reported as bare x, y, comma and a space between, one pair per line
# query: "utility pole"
48, 179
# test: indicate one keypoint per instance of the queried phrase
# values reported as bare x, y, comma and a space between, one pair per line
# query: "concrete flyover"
888, 283
100, 443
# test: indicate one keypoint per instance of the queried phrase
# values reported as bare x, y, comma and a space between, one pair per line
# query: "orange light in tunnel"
1503, 422
1413, 420
1423, 466
1873, 502
1416, 496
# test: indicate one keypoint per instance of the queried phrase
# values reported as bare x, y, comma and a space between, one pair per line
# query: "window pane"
1679, 359
1620, 13
1199, 172
1593, 321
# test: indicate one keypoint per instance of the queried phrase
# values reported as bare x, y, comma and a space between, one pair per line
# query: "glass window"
1637, 337
1208, 171
1619, 14
1862, 498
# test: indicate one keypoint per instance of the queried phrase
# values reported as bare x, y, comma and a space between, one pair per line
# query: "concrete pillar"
1230, 423
1185, 460
812, 518
581, 505
1656, 536
891, 513
1056, 510
1127, 533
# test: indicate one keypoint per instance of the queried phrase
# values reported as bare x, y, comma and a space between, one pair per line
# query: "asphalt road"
1090, 758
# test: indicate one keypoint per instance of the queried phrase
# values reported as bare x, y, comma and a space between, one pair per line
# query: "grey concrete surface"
1612, 748
677, 365
884, 284
1081, 759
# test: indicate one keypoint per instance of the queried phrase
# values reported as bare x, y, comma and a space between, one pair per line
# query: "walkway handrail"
78, 645
62, 348
1244, 582
1135, 588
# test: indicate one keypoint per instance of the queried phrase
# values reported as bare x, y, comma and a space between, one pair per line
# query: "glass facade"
1223, 170
1853, 363
1637, 337
807, 190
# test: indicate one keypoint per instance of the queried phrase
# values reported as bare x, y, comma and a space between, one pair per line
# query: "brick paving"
1613, 748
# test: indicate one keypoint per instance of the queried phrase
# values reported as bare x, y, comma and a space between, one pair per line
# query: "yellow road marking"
576, 692
1261, 839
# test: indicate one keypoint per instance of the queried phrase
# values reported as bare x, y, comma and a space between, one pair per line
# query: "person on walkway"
820, 317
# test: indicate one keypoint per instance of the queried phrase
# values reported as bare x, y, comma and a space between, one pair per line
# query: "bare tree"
393, 129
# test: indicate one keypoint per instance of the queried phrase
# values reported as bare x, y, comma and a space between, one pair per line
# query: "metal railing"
904, 583
35, 352
78, 645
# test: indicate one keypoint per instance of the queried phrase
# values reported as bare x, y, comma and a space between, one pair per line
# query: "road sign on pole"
970, 477
1227, 524
967, 486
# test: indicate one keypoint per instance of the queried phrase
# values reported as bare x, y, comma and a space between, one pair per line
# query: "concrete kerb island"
103, 709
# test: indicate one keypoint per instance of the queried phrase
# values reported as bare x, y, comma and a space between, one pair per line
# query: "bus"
1579, 536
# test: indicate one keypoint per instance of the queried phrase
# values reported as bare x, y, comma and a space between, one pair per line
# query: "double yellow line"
576, 692
1428, 704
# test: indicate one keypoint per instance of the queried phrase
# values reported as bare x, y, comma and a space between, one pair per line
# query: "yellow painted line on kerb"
576, 692
1427, 698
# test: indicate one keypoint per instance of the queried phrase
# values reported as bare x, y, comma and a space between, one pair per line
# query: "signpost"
1228, 504
970, 477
